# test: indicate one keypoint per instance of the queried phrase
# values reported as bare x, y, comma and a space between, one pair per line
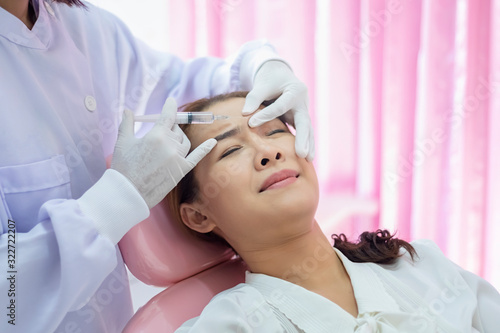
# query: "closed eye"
233, 149
276, 131
229, 152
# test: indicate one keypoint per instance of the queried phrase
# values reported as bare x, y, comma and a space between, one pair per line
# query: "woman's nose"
267, 156
266, 160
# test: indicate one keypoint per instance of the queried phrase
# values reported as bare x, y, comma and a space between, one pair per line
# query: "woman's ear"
194, 219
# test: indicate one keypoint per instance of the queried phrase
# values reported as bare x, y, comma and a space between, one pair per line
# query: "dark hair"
379, 247
31, 10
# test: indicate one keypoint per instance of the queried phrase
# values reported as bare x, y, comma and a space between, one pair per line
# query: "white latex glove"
156, 162
273, 79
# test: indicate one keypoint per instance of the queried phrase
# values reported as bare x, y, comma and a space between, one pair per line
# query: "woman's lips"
282, 183
279, 179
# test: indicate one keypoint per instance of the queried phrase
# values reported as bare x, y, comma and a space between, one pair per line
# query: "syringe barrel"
194, 118
181, 118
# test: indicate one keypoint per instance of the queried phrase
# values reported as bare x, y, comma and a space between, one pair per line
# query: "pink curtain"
405, 99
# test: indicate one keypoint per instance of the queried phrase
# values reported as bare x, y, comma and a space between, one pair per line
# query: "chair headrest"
160, 251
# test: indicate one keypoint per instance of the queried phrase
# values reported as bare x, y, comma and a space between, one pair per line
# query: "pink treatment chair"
161, 252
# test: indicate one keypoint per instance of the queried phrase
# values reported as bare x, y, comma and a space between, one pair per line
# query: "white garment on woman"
63, 88
431, 294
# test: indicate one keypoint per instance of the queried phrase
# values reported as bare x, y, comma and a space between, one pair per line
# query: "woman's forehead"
232, 108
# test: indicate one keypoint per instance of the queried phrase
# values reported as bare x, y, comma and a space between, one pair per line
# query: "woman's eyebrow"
225, 135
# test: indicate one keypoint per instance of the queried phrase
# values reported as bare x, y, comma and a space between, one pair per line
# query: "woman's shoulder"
242, 307
426, 245
427, 255
444, 287
240, 294
427, 249
428, 268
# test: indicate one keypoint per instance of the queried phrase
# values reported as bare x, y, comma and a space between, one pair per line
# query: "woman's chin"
297, 198
293, 207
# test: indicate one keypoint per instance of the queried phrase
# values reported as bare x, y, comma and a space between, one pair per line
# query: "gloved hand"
275, 78
156, 162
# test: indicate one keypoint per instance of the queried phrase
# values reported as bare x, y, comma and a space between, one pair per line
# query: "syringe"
184, 118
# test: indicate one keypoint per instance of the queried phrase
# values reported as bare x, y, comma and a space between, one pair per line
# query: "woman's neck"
20, 9
308, 260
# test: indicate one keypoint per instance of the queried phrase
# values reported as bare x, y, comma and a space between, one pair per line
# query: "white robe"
431, 294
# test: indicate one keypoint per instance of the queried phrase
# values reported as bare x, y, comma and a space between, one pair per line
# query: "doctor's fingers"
304, 136
177, 141
183, 145
168, 115
167, 135
126, 128
294, 97
199, 152
256, 96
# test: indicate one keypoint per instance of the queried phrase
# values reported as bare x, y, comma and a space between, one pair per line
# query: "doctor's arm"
56, 267
255, 67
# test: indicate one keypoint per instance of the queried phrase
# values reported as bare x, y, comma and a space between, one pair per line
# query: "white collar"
38, 37
293, 300
378, 310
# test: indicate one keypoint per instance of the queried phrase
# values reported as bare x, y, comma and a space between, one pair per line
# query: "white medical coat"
431, 294
63, 88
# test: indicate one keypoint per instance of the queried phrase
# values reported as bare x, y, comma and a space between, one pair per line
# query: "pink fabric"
405, 99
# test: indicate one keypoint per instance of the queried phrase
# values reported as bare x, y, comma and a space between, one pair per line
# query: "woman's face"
253, 189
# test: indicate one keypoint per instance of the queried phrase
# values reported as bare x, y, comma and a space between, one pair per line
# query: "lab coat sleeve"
53, 270
190, 80
148, 77
59, 264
